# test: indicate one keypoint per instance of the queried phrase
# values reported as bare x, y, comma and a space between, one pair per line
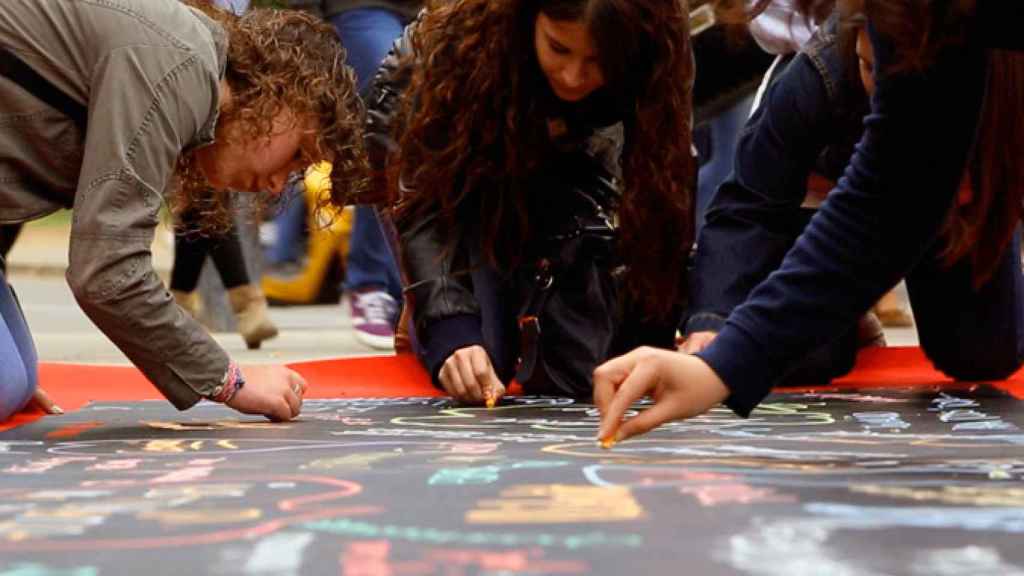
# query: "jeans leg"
368, 35
725, 131
18, 361
370, 262
970, 334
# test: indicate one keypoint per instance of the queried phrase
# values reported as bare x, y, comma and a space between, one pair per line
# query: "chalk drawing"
62, 495
735, 493
32, 569
361, 461
966, 561
486, 474
947, 401
217, 425
279, 554
555, 504
43, 466
202, 516
426, 535
798, 546
881, 420
371, 558
981, 495
115, 465
9, 447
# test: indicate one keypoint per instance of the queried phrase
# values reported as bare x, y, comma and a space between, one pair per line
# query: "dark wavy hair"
281, 59
980, 229
471, 115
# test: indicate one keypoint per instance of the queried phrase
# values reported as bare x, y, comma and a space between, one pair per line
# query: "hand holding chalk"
681, 385
273, 391
469, 377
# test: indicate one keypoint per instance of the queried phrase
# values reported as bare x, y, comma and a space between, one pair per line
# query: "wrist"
230, 384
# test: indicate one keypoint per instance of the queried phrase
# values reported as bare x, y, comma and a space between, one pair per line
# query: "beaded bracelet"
230, 385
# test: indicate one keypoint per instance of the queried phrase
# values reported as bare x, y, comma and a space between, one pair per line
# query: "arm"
885, 213
755, 215
137, 127
446, 314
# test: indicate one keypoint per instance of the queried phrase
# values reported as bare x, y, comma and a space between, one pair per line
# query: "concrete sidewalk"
42, 248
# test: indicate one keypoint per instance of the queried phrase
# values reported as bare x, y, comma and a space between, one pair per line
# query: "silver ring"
297, 388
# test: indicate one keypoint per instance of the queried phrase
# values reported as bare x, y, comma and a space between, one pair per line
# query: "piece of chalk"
490, 402
607, 443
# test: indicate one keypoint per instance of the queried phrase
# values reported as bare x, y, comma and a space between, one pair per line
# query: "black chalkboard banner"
869, 482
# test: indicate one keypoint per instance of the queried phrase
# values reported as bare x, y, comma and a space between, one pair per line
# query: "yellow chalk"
607, 443
490, 402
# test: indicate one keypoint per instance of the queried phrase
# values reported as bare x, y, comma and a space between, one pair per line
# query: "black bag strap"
17, 70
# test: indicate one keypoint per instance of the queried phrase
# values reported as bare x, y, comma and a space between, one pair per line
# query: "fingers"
697, 342
490, 386
467, 373
642, 379
297, 378
465, 361
278, 409
41, 400
608, 377
451, 380
648, 420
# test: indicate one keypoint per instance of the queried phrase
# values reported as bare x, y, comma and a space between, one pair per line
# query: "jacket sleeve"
755, 215
886, 212
139, 122
446, 314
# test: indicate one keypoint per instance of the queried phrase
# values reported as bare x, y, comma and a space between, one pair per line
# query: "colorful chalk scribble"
860, 482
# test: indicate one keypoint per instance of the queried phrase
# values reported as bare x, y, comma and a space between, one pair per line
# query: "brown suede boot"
189, 301
250, 307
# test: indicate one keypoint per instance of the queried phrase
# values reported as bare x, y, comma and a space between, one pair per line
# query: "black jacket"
447, 316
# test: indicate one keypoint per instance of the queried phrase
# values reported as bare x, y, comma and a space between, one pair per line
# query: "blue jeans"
725, 132
18, 359
368, 35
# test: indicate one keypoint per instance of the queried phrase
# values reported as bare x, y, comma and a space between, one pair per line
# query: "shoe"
373, 317
250, 307
189, 301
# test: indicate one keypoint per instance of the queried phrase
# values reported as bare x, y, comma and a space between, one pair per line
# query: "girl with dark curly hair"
946, 111
103, 107
520, 126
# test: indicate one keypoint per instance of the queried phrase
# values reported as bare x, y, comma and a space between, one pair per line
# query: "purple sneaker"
373, 317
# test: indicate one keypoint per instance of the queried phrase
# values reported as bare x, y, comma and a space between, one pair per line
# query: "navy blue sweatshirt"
885, 212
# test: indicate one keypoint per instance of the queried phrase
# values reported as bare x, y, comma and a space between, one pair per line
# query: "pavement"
63, 333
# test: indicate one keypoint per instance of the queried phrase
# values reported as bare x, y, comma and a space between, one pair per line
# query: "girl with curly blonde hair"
105, 106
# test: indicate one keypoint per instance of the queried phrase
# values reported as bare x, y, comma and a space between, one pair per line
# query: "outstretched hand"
681, 385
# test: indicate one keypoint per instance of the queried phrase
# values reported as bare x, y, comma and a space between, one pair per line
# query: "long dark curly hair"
981, 229
281, 59
472, 114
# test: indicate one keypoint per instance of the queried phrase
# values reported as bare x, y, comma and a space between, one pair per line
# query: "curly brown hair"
471, 115
276, 60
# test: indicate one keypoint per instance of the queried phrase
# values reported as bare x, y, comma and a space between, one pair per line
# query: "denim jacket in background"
808, 122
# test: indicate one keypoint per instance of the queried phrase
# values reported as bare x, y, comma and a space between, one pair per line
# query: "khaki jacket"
148, 72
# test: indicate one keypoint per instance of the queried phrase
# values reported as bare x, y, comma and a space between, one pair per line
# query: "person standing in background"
368, 28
